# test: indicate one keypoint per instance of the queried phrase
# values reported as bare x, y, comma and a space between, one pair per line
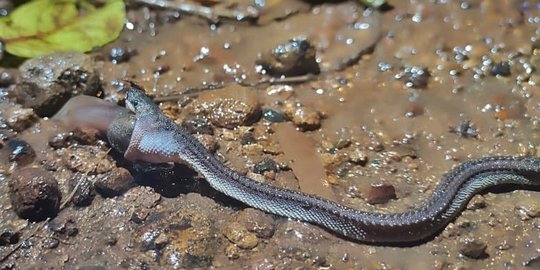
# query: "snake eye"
131, 105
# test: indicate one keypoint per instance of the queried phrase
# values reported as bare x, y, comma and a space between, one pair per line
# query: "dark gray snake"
155, 138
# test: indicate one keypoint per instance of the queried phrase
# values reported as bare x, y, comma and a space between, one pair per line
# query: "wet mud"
366, 107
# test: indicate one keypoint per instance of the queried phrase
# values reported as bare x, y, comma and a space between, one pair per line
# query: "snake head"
137, 101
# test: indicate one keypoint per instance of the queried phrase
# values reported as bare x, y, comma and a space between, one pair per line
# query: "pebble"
9, 237
120, 54
34, 193
380, 193
114, 183
198, 125
8, 77
19, 118
265, 165
239, 235
414, 76
474, 249
208, 141
258, 222
232, 252
465, 129
48, 81
296, 57
358, 157
85, 192
230, 107
501, 69
274, 116
20, 151
304, 118
87, 159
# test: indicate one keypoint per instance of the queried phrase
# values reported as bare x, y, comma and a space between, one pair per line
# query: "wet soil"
401, 96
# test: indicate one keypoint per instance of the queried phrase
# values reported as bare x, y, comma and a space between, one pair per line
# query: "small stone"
247, 138
208, 141
48, 81
265, 165
87, 159
232, 252
8, 77
139, 216
230, 107
274, 116
258, 222
85, 192
474, 249
9, 237
161, 241
20, 151
477, 202
114, 183
303, 117
380, 193
501, 69
240, 236
50, 243
198, 125
19, 118
414, 77
120, 54
34, 193
465, 129
358, 157
293, 58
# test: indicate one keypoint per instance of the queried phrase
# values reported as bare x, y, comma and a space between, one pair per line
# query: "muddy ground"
366, 107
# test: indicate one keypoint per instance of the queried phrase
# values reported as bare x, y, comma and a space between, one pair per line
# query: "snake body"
156, 138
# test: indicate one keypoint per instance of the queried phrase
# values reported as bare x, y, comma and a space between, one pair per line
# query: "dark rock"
474, 249
274, 116
465, 129
50, 243
120, 54
294, 58
533, 262
247, 138
9, 237
7, 77
20, 151
34, 194
85, 191
380, 193
47, 82
197, 125
501, 69
265, 165
414, 77
114, 183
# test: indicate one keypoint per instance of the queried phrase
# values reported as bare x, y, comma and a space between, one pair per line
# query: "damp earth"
366, 107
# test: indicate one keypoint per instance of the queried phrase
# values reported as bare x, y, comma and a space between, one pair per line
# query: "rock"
265, 165
465, 129
501, 69
294, 58
258, 222
20, 151
414, 76
120, 54
8, 77
87, 159
247, 138
114, 183
239, 235
48, 81
273, 115
85, 191
34, 193
474, 249
232, 252
358, 157
198, 125
19, 118
380, 193
303, 117
9, 237
208, 141
229, 107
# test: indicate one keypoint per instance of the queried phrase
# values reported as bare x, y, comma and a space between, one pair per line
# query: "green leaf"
45, 26
373, 3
